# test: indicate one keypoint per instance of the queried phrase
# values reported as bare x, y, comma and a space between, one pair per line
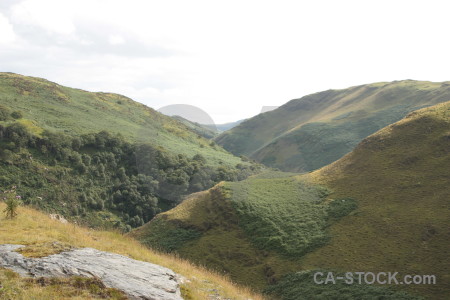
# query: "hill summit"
311, 132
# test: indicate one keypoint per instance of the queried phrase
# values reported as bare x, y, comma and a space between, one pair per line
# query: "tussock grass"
74, 288
400, 178
34, 229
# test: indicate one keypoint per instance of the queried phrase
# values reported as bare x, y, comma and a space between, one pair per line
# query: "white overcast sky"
228, 58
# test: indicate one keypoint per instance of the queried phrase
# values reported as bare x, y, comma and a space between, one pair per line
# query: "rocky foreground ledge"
138, 279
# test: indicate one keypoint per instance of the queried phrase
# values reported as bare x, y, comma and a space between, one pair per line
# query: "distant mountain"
206, 131
228, 126
311, 132
382, 207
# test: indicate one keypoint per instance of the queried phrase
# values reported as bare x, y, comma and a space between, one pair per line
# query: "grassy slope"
400, 177
308, 133
254, 230
47, 105
40, 233
220, 243
206, 131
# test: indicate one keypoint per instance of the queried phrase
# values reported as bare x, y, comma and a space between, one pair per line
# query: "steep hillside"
205, 229
88, 157
383, 207
43, 236
400, 177
206, 131
311, 132
48, 106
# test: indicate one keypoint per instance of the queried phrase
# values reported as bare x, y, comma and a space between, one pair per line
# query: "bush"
17, 115
341, 207
4, 113
301, 286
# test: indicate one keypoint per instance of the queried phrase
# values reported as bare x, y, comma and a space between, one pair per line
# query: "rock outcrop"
137, 279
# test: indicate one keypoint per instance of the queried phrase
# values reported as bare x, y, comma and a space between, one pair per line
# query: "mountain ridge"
364, 212
307, 133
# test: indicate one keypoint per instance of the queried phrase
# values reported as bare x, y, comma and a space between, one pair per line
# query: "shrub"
17, 115
341, 207
301, 286
4, 113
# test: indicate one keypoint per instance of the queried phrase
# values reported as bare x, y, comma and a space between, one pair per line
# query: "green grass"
47, 105
285, 215
205, 131
167, 237
383, 207
101, 179
99, 158
308, 133
301, 286
253, 230
399, 178
222, 245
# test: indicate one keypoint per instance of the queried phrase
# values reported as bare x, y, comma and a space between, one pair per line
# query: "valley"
338, 181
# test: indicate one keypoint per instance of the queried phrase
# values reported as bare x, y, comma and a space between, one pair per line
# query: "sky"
228, 58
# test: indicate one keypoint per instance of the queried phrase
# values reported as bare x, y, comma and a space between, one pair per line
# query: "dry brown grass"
37, 231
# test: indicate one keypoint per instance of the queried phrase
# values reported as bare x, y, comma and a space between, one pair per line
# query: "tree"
12, 202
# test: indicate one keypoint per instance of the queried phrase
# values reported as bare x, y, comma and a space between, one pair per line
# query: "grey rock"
138, 279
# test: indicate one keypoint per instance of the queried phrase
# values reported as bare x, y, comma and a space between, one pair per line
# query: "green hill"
48, 106
311, 132
206, 131
383, 207
400, 178
101, 158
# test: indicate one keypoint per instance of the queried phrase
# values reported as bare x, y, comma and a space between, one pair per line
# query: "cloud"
43, 14
229, 58
7, 34
66, 24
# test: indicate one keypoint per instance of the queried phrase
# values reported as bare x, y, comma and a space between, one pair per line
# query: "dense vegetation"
266, 222
301, 286
101, 178
45, 105
101, 158
311, 132
281, 214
